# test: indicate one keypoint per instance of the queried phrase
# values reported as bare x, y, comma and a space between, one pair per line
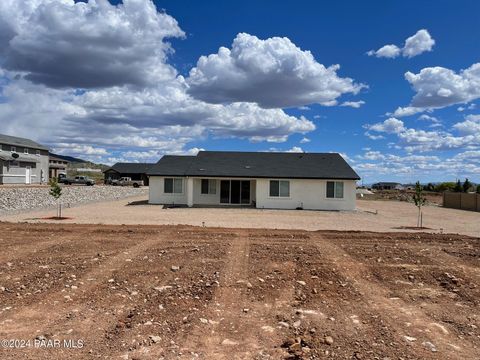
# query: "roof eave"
255, 176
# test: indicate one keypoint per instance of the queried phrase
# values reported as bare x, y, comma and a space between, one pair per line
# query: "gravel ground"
380, 215
15, 199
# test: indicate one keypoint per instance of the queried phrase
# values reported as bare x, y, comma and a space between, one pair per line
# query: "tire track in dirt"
441, 258
239, 325
13, 252
35, 313
231, 332
186, 292
397, 312
225, 319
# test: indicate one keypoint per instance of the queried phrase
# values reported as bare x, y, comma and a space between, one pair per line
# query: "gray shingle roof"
256, 165
18, 141
172, 165
130, 168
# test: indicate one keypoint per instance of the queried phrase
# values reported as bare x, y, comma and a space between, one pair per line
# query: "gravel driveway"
371, 215
17, 199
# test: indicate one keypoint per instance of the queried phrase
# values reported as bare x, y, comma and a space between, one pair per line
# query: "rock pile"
14, 199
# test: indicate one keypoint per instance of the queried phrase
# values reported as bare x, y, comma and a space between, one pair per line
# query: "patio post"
190, 192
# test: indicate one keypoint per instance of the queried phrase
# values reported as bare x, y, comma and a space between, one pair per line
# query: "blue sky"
82, 94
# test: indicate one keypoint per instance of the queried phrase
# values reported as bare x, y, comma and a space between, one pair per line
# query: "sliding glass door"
235, 192
225, 192
245, 191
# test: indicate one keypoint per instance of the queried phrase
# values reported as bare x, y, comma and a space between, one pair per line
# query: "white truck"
77, 180
126, 181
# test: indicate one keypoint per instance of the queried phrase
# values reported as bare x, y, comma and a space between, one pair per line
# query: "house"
22, 161
57, 164
387, 186
136, 171
318, 181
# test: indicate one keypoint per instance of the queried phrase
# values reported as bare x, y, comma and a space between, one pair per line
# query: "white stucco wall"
205, 199
309, 194
157, 196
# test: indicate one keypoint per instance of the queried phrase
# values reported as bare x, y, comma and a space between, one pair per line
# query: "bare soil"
182, 292
432, 198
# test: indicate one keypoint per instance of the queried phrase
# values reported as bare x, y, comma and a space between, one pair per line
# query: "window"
14, 163
173, 186
209, 186
335, 189
38, 152
13, 149
25, 150
279, 188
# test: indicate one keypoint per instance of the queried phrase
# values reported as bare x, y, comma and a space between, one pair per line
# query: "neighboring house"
22, 161
387, 186
408, 187
57, 165
136, 171
319, 181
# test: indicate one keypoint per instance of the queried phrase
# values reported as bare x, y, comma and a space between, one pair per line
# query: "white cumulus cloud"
272, 73
415, 45
471, 125
93, 78
387, 51
353, 104
411, 139
86, 45
389, 126
295, 149
438, 87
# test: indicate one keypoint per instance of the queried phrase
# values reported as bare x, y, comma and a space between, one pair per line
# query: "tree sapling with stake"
419, 200
56, 192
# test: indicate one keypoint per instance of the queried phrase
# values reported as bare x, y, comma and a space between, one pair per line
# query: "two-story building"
57, 165
22, 161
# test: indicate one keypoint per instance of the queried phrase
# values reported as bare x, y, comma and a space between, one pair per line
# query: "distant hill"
69, 158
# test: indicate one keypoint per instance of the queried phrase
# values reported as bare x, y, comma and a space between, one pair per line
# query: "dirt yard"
179, 292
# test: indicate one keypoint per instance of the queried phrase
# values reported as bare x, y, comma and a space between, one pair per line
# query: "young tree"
458, 187
467, 185
56, 192
419, 200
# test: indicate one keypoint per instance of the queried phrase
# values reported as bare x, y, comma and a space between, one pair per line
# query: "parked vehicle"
78, 180
126, 181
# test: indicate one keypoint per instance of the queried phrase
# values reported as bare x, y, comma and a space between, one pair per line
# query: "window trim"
37, 152
173, 193
25, 151
13, 149
335, 182
279, 196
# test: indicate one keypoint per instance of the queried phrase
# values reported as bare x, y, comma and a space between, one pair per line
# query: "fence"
463, 201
